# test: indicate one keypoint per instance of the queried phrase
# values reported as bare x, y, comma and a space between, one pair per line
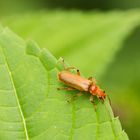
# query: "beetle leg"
79, 94
74, 97
90, 78
91, 98
65, 66
69, 68
65, 88
93, 80
102, 100
78, 71
109, 100
92, 101
63, 62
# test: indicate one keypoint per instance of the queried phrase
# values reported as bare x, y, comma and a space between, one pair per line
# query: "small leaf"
31, 107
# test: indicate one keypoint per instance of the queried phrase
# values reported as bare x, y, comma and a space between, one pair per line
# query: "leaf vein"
16, 95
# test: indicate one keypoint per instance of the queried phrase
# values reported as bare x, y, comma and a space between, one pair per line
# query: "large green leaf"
32, 108
100, 44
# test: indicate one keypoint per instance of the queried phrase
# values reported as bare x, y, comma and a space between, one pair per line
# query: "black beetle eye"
104, 91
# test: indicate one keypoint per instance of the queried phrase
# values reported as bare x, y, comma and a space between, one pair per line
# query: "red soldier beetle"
76, 81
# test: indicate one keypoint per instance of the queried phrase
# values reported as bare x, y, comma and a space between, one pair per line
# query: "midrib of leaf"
16, 96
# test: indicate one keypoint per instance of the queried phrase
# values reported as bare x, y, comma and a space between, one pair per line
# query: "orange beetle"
75, 81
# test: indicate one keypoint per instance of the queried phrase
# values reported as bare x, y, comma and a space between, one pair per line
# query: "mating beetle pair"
75, 81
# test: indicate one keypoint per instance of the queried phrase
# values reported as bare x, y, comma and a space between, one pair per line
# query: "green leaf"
100, 36
31, 107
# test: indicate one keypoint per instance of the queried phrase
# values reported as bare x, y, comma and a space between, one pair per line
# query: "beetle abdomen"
74, 81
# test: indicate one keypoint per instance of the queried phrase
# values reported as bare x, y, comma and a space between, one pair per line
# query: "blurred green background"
102, 38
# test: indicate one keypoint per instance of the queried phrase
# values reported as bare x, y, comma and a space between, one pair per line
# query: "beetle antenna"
109, 100
94, 81
102, 99
63, 62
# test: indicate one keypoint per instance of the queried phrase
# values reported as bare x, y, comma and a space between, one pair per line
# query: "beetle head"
101, 94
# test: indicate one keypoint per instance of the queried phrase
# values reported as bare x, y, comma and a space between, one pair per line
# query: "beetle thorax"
95, 90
